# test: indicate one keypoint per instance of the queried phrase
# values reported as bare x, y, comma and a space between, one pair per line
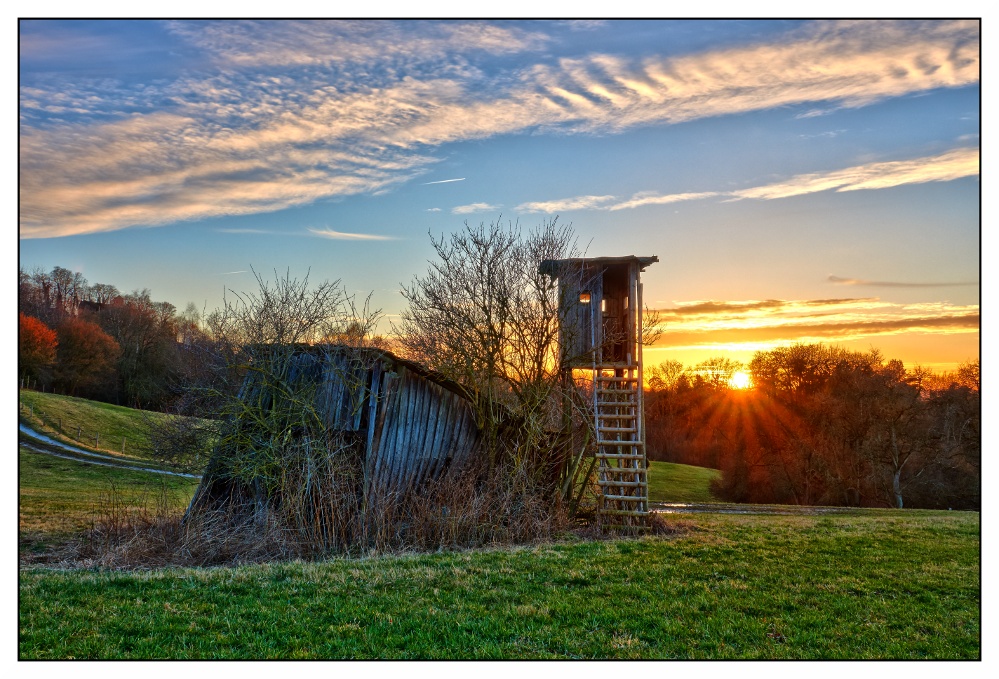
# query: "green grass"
58, 497
669, 482
77, 421
872, 584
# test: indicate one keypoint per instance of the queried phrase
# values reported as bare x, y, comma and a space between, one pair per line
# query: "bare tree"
486, 317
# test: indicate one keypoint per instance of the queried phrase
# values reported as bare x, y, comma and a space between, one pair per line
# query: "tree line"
93, 341
823, 425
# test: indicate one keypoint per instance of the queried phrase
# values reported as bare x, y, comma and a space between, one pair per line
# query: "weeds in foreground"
457, 512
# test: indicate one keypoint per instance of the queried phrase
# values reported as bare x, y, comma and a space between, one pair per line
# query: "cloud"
324, 43
433, 209
653, 198
340, 235
288, 113
444, 181
815, 113
474, 207
769, 322
582, 24
564, 204
890, 284
955, 164
708, 308
947, 166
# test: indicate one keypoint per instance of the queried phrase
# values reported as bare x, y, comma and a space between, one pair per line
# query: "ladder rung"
617, 379
617, 430
624, 512
604, 416
623, 484
619, 443
621, 457
620, 392
626, 498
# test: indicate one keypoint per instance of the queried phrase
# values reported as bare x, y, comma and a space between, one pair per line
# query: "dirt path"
732, 508
40, 443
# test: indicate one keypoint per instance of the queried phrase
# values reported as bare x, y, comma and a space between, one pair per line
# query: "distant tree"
969, 374
103, 293
87, 356
36, 347
148, 365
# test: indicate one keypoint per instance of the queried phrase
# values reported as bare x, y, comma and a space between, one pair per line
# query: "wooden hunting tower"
601, 332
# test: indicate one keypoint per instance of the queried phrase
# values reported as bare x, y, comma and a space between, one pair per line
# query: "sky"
800, 181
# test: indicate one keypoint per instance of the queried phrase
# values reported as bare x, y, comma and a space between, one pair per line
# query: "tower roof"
552, 267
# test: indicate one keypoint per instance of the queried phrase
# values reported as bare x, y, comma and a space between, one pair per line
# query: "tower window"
584, 297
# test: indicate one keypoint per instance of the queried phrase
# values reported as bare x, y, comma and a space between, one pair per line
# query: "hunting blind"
600, 332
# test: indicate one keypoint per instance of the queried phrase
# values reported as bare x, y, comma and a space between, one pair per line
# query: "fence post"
122, 445
79, 433
97, 437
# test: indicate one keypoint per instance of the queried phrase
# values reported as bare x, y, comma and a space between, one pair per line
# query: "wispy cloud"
325, 43
948, 166
288, 113
474, 207
433, 209
954, 164
653, 198
444, 181
565, 204
893, 284
340, 235
770, 322
583, 24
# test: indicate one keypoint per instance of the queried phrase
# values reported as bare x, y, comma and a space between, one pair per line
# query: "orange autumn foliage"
36, 346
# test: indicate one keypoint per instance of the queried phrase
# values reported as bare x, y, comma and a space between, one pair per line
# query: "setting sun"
740, 380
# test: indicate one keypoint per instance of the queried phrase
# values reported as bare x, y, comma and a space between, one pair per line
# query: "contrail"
444, 181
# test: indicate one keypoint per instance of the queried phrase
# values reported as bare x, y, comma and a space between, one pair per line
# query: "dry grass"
457, 512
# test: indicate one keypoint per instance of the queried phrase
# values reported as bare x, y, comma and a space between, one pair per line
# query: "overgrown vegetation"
872, 584
60, 500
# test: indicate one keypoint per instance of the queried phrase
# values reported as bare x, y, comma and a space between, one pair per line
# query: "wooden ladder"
622, 467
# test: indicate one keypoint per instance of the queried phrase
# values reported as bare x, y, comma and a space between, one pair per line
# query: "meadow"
859, 584
94, 425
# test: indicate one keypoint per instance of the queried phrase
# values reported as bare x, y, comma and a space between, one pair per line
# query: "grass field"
89, 424
669, 482
874, 584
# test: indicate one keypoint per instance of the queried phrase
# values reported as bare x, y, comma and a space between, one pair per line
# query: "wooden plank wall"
420, 430
413, 428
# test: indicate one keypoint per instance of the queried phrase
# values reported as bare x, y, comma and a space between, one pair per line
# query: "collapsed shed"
403, 424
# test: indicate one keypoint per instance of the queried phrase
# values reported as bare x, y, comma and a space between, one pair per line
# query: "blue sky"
799, 180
